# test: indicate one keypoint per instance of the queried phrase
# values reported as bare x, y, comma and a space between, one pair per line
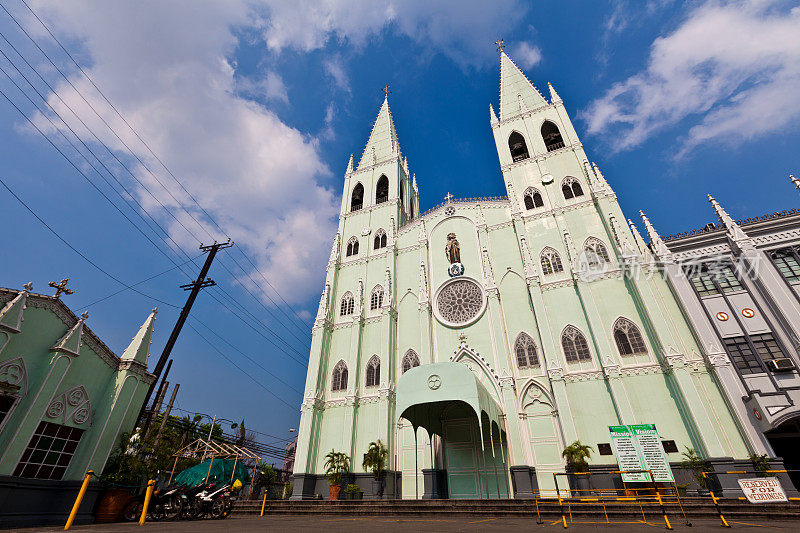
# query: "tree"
337, 464
375, 458
576, 455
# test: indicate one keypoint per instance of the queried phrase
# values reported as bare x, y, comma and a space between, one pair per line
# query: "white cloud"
731, 71
526, 54
270, 87
460, 29
165, 66
334, 68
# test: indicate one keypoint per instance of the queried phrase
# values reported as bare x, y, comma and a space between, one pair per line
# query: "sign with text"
762, 489
638, 447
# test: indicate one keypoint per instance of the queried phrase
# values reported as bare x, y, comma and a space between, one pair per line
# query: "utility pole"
166, 416
200, 283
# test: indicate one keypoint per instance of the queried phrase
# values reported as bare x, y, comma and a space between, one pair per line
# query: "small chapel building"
65, 399
478, 339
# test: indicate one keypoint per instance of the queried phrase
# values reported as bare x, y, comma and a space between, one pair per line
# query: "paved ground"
329, 524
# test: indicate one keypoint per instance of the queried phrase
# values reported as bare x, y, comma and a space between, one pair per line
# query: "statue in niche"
452, 249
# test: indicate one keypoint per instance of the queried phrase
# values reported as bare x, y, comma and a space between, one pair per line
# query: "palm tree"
576, 455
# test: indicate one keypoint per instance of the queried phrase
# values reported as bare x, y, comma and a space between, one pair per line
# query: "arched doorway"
785, 442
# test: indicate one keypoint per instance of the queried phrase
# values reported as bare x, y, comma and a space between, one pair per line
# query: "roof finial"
28, 286
448, 197
500, 45
61, 287
795, 181
386, 92
85, 315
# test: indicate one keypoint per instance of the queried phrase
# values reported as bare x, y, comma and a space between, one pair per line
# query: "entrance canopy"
424, 392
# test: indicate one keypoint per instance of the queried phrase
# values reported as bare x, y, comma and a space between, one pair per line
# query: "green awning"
424, 392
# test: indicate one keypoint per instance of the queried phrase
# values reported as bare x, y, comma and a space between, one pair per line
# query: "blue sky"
256, 106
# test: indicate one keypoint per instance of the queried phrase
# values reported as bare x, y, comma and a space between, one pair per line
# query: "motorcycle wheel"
188, 510
132, 511
172, 507
218, 507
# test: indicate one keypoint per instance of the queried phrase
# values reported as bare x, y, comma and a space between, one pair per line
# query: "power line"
146, 145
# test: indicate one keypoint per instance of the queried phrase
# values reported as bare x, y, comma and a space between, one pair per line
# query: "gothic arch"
410, 360
380, 240
357, 197
339, 376
571, 188
595, 252
373, 373
518, 147
533, 198
533, 392
525, 351
550, 261
628, 337
511, 273
477, 364
551, 136
376, 298
574, 345
352, 247
382, 190
347, 305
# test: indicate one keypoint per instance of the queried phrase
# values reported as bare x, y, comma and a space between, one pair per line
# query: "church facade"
479, 339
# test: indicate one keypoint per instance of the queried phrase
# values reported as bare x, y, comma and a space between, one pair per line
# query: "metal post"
658, 497
264, 503
716, 503
208, 442
560, 501
78, 500
151, 485
200, 283
416, 467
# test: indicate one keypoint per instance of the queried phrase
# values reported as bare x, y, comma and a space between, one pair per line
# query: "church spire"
656, 243
139, 348
554, 98
734, 231
517, 93
382, 143
349, 165
492, 116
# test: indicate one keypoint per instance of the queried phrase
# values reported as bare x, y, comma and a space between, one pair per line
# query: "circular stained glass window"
459, 302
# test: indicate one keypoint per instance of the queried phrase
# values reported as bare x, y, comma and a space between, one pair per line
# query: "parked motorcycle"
166, 504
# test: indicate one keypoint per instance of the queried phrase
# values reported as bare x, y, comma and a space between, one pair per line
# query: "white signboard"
638, 447
763, 489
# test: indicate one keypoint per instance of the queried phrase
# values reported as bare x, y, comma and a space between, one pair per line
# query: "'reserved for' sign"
762, 489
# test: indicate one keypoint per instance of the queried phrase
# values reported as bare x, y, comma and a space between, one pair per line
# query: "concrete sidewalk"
329, 524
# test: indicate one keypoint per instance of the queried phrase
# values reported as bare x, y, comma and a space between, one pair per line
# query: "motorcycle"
164, 504
208, 499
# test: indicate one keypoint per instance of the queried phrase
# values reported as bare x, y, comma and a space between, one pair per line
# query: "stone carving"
14, 373
460, 301
452, 250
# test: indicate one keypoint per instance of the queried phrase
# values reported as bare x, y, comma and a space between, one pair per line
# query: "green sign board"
638, 447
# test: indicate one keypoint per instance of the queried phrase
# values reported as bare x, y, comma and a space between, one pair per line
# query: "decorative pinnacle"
657, 244
61, 288
734, 231
386, 92
28, 286
500, 45
554, 97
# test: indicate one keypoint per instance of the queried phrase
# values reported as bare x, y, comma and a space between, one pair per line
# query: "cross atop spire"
61, 288
386, 92
500, 45
448, 197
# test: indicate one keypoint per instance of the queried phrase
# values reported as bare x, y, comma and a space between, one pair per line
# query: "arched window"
571, 188
339, 378
373, 371
552, 137
595, 252
410, 360
525, 350
551, 261
380, 240
347, 306
574, 345
533, 198
352, 247
519, 150
628, 338
382, 190
357, 199
376, 298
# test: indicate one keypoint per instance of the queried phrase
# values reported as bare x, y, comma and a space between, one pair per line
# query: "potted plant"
353, 492
760, 464
337, 464
375, 461
575, 456
698, 467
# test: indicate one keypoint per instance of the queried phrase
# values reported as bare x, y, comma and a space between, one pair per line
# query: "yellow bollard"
78, 500
264, 504
151, 485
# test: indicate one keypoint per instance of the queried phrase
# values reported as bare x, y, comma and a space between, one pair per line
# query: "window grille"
49, 452
380, 240
787, 260
746, 359
574, 345
628, 338
339, 380
352, 247
571, 188
382, 190
595, 252
518, 147
373, 371
525, 350
376, 299
410, 360
712, 277
347, 306
551, 262
357, 198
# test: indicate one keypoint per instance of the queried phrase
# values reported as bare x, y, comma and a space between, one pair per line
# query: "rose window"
460, 301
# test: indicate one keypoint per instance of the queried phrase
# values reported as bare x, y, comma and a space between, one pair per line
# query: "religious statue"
452, 249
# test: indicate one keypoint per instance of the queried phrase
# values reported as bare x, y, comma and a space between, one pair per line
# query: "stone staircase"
549, 508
